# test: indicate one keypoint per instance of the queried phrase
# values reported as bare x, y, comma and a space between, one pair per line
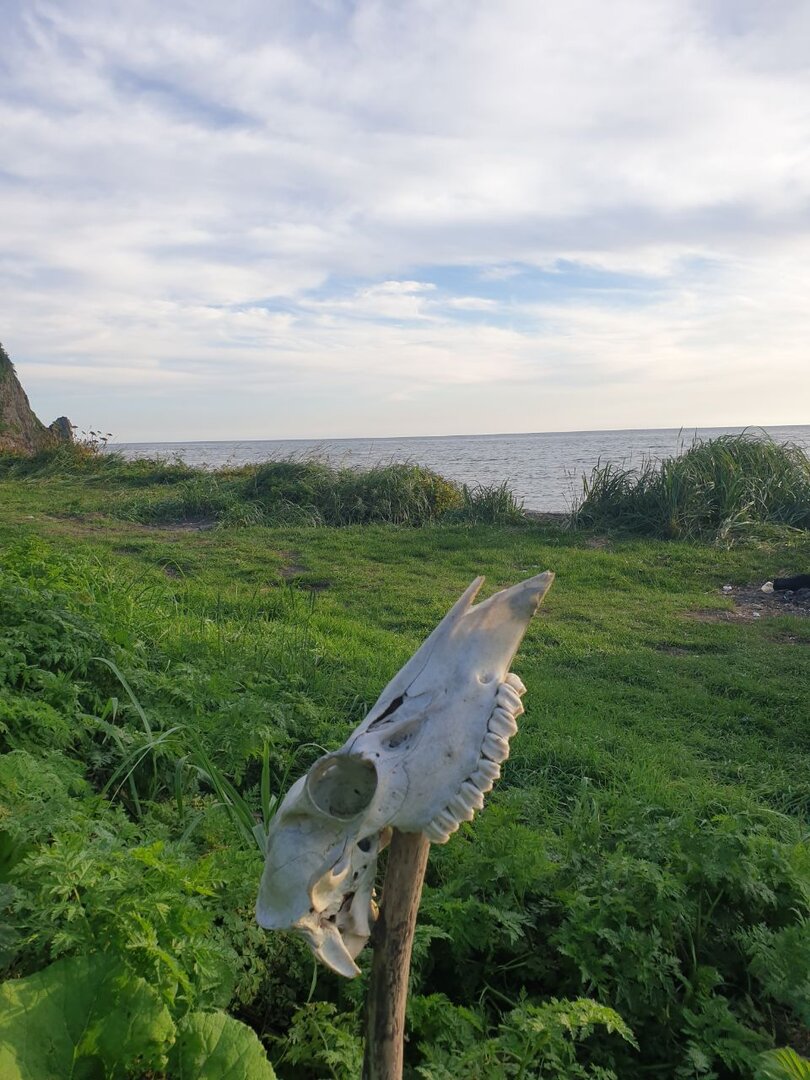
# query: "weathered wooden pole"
392, 939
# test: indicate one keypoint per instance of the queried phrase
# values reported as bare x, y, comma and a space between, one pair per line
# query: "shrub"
693, 927
398, 494
90, 461
484, 504
719, 488
203, 496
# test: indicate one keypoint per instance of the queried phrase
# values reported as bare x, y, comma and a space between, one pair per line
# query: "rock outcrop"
20, 430
62, 429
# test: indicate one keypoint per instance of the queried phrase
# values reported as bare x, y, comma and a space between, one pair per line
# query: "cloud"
283, 197
472, 303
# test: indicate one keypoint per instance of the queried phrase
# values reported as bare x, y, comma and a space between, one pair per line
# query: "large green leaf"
79, 1019
784, 1064
214, 1046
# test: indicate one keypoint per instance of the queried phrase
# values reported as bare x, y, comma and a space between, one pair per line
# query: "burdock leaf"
81, 1018
214, 1046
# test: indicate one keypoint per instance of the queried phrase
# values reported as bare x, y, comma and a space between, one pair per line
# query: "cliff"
20, 430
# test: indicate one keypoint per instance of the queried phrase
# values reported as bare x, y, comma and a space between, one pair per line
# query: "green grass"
296, 491
646, 848
719, 488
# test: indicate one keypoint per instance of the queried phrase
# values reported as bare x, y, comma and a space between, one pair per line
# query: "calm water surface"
544, 469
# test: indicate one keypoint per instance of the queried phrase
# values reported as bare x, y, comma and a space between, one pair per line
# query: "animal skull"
421, 761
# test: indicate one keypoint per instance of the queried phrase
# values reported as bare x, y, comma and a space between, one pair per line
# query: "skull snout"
342, 785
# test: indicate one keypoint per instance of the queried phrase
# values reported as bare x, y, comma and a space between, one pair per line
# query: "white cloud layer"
323, 218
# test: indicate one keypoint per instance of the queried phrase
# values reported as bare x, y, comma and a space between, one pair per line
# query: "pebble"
727, 588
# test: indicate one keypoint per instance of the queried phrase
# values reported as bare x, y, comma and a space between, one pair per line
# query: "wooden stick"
393, 941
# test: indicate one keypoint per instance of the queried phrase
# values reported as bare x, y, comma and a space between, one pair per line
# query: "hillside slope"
21, 432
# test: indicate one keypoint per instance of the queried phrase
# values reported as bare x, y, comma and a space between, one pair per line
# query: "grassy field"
633, 902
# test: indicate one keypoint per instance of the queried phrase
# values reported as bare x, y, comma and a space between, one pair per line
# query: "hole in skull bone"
392, 708
402, 739
343, 785
364, 844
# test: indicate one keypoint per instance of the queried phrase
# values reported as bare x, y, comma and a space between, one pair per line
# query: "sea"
543, 469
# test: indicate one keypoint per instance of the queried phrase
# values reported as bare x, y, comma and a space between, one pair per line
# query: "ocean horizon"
543, 469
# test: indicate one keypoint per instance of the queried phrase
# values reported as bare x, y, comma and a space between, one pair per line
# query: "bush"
487, 505
399, 494
692, 926
91, 462
719, 488
201, 497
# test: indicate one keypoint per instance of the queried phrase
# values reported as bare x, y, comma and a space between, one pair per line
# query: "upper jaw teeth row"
501, 726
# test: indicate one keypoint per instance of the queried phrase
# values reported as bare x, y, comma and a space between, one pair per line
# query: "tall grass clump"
203, 496
718, 489
487, 504
396, 494
87, 461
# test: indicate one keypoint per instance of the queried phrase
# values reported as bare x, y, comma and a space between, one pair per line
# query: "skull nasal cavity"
342, 786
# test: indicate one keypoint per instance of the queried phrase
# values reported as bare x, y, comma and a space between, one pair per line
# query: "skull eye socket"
342, 786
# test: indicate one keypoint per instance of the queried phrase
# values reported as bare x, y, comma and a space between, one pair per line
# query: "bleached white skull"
421, 761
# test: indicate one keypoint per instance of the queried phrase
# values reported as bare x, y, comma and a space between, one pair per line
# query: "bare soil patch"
751, 603
293, 567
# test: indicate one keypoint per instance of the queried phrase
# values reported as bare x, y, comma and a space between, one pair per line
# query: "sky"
324, 218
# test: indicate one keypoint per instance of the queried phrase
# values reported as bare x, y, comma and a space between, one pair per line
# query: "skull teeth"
445, 820
485, 775
503, 723
488, 770
436, 834
509, 699
471, 795
515, 682
484, 785
494, 747
462, 807
460, 810
466, 813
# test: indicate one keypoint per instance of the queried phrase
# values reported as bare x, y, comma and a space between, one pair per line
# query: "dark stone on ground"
798, 581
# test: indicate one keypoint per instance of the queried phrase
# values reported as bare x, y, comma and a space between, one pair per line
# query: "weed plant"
719, 488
